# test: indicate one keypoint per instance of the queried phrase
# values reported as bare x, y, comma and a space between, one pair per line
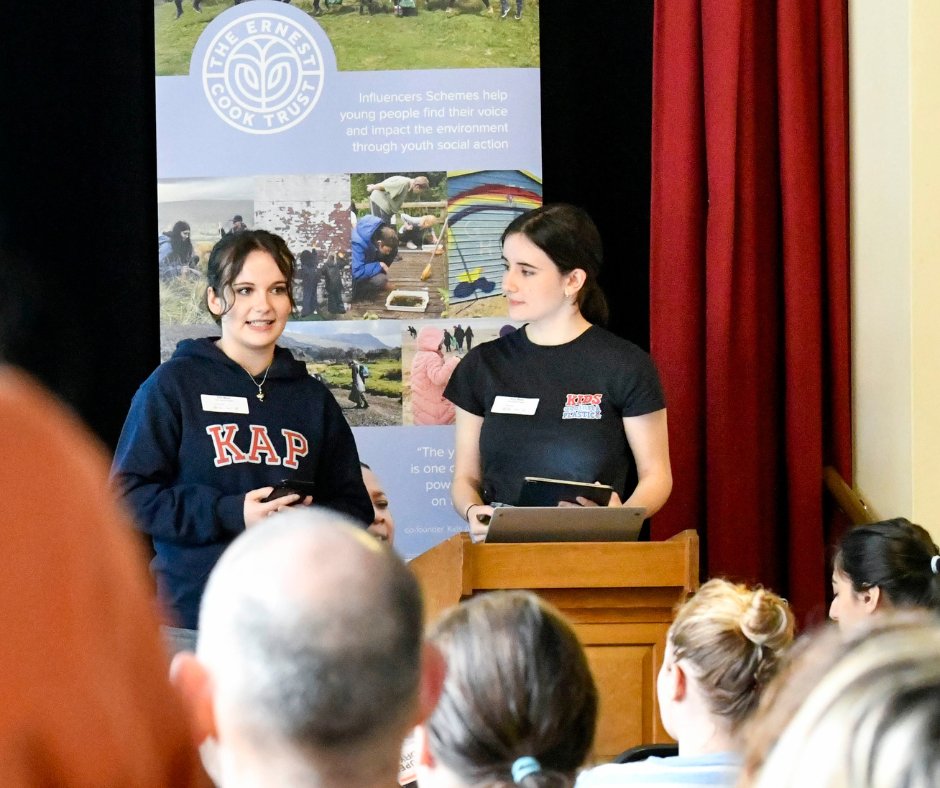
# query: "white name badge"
215, 403
518, 406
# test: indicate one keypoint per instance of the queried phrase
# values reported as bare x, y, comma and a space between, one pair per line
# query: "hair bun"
766, 621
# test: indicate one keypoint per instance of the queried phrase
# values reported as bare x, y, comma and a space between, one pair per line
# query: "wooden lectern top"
457, 568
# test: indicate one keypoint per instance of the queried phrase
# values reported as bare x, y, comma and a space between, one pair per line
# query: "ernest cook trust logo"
263, 73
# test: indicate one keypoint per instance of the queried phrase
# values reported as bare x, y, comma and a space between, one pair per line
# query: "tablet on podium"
565, 524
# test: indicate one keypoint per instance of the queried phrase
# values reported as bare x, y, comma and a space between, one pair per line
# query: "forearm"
465, 493
651, 492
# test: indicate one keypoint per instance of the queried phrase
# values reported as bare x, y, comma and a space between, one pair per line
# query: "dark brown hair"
894, 555
518, 684
227, 259
570, 239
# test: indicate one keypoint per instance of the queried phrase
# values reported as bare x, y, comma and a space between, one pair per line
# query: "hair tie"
935, 564
523, 767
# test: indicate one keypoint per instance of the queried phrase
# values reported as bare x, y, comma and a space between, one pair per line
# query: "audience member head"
859, 708
572, 242
723, 648
383, 524
309, 666
227, 259
889, 564
519, 697
86, 701
420, 183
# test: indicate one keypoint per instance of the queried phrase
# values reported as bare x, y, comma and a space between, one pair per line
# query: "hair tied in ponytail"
523, 767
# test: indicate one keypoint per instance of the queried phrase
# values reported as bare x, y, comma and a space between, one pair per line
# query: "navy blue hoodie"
187, 457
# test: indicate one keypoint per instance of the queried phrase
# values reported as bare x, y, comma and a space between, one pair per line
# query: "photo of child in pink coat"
430, 372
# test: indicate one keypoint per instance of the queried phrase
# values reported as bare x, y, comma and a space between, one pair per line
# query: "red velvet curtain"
749, 280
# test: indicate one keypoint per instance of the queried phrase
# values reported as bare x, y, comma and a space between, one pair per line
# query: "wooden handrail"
850, 501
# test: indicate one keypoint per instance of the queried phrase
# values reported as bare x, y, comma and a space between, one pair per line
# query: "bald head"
312, 632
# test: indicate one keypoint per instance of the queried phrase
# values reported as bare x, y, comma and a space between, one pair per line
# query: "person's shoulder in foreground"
83, 671
717, 769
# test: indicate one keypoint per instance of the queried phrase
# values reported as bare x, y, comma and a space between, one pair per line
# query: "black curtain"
78, 219
78, 201
597, 77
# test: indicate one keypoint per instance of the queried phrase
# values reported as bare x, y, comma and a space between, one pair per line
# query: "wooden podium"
619, 596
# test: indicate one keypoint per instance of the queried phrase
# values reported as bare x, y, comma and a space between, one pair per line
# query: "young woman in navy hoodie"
212, 430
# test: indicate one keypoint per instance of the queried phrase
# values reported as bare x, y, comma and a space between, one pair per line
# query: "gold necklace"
260, 394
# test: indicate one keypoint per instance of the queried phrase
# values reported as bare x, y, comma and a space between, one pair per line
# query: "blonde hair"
860, 710
732, 636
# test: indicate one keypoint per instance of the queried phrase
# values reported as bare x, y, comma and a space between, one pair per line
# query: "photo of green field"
432, 38
384, 374
333, 354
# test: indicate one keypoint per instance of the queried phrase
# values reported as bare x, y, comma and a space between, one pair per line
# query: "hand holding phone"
291, 487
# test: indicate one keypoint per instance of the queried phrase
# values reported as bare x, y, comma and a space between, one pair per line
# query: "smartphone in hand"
290, 487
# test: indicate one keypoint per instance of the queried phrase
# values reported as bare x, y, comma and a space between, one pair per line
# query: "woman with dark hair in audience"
519, 703
884, 565
722, 649
857, 708
561, 397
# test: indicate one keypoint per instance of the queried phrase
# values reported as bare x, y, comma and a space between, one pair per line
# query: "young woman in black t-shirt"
569, 398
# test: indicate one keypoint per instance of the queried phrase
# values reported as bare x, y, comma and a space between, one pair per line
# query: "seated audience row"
515, 704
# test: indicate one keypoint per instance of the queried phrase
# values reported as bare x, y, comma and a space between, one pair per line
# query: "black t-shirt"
555, 410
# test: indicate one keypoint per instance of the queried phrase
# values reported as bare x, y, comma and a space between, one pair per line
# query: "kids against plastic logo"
263, 73
582, 406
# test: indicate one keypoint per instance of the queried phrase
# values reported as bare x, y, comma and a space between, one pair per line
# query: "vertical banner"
389, 143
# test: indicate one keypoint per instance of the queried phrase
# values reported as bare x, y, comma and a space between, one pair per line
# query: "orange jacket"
84, 694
